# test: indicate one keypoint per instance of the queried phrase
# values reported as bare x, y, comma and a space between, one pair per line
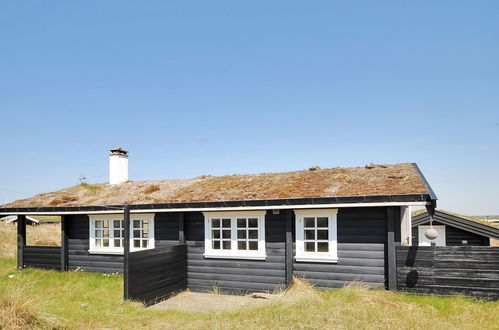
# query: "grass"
45, 234
42, 299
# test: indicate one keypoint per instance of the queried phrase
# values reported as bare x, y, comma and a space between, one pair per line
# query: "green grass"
48, 299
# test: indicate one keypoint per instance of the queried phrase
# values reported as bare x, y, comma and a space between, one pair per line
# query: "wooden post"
126, 250
390, 247
181, 234
21, 240
289, 247
64, 244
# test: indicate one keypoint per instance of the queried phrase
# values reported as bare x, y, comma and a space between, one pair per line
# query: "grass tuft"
150, 189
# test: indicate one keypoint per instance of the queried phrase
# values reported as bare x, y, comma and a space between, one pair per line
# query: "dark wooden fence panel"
450, 270
157, 274
48, 257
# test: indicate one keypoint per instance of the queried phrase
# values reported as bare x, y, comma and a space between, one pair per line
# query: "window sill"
244, 257
312, 259
105, 252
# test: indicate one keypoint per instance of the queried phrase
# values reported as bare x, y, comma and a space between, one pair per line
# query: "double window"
107, 233
235, 235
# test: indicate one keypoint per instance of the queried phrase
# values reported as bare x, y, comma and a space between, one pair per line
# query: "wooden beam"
64, 244
289, 247
21, 240
126, 251
181, 234
390, 247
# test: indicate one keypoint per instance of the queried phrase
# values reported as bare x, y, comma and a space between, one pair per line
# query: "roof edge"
431, 193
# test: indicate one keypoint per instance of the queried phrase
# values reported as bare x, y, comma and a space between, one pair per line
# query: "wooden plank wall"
48, 257
157, 274
449, 270
454, 236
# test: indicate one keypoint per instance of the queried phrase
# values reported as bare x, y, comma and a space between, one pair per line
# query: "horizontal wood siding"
454, 236
361, 251
48, 257
470, 270
157, 274
235, 276
78, 245
166, 229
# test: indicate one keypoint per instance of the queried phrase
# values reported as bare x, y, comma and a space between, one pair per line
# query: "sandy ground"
206, 302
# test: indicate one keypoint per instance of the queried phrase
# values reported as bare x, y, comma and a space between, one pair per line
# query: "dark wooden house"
453, 230
240, 233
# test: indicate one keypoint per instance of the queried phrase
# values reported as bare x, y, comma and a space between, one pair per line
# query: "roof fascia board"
432, 194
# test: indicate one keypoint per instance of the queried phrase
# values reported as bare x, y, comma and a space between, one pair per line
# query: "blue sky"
223, 87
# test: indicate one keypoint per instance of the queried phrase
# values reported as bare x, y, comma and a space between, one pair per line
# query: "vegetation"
150, 189
46, 234
34, 298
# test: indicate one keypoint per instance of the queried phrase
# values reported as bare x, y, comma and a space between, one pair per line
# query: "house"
452, 230
242, 232
13, 218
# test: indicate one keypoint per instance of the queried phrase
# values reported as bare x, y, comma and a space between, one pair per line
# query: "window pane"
105, 233
98, 223
310, 222
226, 245
323, 234
105, 242
253, 234
322, 222
145, 222
253, 223
241, 245
216, 245
145, 234
226, 223
136, 234
241, 234
117, 224
98, 233
215, 233
98, 242
215, 223
145, 225
309, 246
309, 234
116, 242
225, 233
253, 245
322, 247
136, 243
117, 233
144, 243
136, 223
105, 223
241, 223
122, 242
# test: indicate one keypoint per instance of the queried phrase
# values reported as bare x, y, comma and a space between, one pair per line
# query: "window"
106, 233
236, 235
316, 235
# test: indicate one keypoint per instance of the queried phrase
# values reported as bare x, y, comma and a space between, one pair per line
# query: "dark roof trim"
458, 222
243, 203
432, 194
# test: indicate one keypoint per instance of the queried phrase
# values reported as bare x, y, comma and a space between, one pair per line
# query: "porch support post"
289, 247
64, 244
21, 240
126, 250
390, 247
181, 234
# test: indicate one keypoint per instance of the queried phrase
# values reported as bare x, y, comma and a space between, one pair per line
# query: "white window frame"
233, 253
439, 241
301, 254
119, 250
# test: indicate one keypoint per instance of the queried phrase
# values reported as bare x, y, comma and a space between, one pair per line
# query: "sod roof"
314, 182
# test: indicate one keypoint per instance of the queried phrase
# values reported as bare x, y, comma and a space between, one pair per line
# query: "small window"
107, 233
235, 235
316, 235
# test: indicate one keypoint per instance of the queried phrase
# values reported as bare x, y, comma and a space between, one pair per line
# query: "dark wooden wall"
470, 270
157, 274
454, 236
230, 275
48, 257
361, 237
77, 227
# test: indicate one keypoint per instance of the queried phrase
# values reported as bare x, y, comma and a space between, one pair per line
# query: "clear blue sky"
222, 87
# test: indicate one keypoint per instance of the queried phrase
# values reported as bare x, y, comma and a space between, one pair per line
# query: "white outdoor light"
431, 234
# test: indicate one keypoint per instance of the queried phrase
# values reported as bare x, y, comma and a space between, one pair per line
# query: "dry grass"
355, 181
45, 234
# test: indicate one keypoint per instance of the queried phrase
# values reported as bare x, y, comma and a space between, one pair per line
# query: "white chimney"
118, 166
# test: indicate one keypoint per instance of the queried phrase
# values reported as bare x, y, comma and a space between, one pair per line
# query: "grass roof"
313, 182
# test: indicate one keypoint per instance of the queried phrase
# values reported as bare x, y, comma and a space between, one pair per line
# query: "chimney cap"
118, 151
